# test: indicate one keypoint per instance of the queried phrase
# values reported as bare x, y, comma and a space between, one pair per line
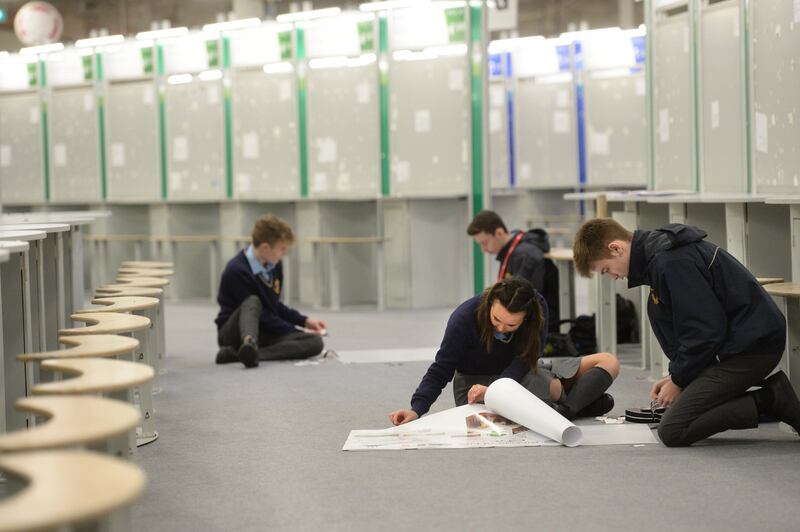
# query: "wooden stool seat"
121, 304
145, 272
783, 289
123, 290
95, 375
154, 264
70, 421
152, 282
107, 323
769, 280
66, 488
84, 346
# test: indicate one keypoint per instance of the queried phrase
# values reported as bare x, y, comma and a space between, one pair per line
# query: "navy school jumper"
463, 350
238, 282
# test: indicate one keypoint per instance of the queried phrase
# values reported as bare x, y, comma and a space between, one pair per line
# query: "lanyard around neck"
504, 267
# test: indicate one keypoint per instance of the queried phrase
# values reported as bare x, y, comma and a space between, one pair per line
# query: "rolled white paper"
512, 401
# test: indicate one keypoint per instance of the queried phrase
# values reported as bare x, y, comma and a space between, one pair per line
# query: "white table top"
710, 198
785, 199
76, 218
27, 236
14, 246
617, 195
47, 228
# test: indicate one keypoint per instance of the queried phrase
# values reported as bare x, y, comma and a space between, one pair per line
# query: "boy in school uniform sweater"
253, 324
720, 330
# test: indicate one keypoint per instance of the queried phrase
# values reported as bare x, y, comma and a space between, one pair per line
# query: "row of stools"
90, 407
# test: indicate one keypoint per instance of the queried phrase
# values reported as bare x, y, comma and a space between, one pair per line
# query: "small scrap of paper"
330, 354
611, 420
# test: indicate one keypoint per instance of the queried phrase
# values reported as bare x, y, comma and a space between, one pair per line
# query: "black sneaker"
248, 354
598, 407
785, 405
226, 355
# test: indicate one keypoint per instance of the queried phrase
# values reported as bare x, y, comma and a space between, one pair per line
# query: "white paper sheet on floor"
499, 423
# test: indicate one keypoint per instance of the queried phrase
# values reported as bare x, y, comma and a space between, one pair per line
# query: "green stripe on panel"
383, 39
162, 122
45, 134
226, 63
301, 110
477, 137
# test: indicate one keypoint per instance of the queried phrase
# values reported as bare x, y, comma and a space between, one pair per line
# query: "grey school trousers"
245, 322
717, 400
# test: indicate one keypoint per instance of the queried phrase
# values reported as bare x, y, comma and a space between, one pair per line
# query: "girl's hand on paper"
399, 417
476, 393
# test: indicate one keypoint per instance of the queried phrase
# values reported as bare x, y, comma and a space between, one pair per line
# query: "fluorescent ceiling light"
99, 41
178, 79
430, 53
363, 59
210, 75
233, 24
391, 4
278, 68
43, 49
342, 61
450, 49
309, 15
327, 62
408, 55
160, 34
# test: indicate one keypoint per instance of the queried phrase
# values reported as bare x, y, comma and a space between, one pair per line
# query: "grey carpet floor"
260, 450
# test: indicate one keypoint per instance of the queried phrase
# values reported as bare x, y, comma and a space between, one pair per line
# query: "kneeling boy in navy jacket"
720, 330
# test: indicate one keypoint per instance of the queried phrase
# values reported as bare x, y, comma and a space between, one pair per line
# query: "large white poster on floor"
511, 417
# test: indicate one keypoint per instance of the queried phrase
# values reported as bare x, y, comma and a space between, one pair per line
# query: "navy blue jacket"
238, 282
527, 261
463, 350
704, 305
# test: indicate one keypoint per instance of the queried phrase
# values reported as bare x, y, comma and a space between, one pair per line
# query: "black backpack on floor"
627, 321
580, 340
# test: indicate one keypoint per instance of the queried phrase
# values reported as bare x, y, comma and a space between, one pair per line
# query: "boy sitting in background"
253, 324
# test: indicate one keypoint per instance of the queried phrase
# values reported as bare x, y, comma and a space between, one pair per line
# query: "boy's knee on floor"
317, 344
671, 435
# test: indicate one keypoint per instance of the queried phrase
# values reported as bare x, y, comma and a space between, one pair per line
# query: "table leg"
333, 265
380, 259
315, 255
606, 319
